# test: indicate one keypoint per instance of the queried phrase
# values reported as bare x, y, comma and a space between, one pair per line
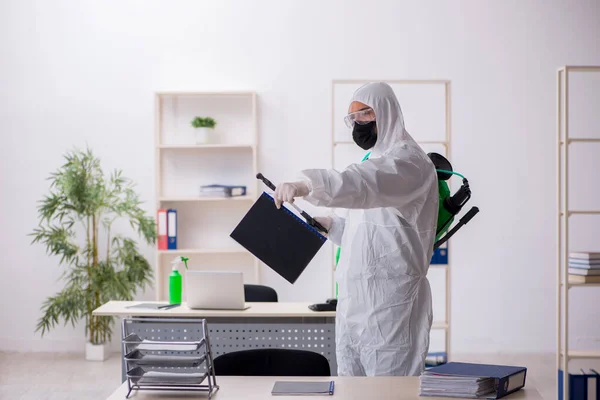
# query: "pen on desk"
168, 307
331, 384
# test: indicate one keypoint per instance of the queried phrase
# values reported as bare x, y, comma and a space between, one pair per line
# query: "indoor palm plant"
75, 221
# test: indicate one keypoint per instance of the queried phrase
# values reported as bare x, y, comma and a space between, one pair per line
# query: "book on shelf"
584, 279
166, 226
574, 263
222, 191
584, 271
585, 255
581, 386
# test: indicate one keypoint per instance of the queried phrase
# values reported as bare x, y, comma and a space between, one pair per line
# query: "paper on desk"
167, 378
155, 345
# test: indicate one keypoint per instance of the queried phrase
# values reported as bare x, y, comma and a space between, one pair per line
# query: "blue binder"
581, 386
172, 229
440, 256
509, 379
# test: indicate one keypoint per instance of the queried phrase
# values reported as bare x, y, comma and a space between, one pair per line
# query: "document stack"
165, 362
222, 191
472, 380
584, 267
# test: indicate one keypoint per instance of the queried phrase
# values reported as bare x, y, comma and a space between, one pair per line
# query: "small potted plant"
203, 126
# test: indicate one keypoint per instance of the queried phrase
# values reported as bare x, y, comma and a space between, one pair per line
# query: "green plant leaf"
81, 193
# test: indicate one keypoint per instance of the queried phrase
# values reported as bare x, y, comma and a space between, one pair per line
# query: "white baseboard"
49, 345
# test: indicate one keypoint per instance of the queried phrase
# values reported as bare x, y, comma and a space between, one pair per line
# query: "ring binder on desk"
278, 237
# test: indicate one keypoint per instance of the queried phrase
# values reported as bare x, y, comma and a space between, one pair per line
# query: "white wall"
77, 72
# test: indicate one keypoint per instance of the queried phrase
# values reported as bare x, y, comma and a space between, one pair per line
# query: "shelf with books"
574, 199
189, 156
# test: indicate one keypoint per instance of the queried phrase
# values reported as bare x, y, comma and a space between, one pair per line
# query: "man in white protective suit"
384, 311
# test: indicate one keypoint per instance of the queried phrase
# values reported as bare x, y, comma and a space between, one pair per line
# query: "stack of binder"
222, 191
584, 267
581, 386
472, 380
166, 223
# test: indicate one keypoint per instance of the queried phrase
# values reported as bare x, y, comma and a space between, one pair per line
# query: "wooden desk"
263, 325
346, 388
267, 310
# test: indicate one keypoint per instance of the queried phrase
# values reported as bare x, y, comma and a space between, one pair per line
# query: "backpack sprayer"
449, 206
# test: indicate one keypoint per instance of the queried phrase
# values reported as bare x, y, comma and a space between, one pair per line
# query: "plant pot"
96, 352
203, 135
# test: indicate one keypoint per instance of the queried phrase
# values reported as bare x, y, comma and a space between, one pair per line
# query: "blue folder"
509, 379
581, 386
172, 229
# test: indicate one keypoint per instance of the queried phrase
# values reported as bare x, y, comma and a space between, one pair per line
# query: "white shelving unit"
419, 94
564, 147
182, 166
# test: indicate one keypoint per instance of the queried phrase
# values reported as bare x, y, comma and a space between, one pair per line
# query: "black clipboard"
278, 237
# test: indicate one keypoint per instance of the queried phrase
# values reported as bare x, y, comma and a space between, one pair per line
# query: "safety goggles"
361, 117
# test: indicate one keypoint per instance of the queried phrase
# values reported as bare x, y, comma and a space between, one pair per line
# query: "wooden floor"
30, 376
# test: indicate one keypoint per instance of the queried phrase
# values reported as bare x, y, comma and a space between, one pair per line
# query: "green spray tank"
448, 206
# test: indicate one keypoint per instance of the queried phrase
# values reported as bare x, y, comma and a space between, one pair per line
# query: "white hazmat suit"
384, 311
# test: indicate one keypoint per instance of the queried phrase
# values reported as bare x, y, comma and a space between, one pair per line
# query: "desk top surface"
346, 388
119, 308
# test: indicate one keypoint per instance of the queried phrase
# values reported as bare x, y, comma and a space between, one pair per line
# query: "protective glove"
326, 222
289, 191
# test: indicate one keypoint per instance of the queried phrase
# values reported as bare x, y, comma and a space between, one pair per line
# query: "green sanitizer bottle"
175, 281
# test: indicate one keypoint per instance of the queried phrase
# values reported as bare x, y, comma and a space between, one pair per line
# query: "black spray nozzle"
469, 215
310, 220
454, 203
463, 221
265, 181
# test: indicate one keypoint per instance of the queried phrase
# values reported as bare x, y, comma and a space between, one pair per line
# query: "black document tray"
278, 237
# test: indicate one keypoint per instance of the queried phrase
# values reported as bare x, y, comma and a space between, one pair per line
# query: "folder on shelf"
172, 229
584, 278
161, 226
581, 386
440, 256
278, 237
222, 190
457, 379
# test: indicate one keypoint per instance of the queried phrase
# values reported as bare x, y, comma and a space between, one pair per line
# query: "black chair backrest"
272, 362
260, 293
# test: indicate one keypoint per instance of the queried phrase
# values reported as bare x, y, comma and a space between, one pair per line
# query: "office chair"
272, 362
259, 293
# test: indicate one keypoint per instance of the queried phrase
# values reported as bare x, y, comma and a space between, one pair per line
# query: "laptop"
212, 290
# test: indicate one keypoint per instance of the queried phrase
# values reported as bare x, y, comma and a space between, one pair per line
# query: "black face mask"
365, 135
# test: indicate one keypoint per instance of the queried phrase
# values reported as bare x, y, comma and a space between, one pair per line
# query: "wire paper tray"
134, 342
167, 365
138, 358
141, 377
